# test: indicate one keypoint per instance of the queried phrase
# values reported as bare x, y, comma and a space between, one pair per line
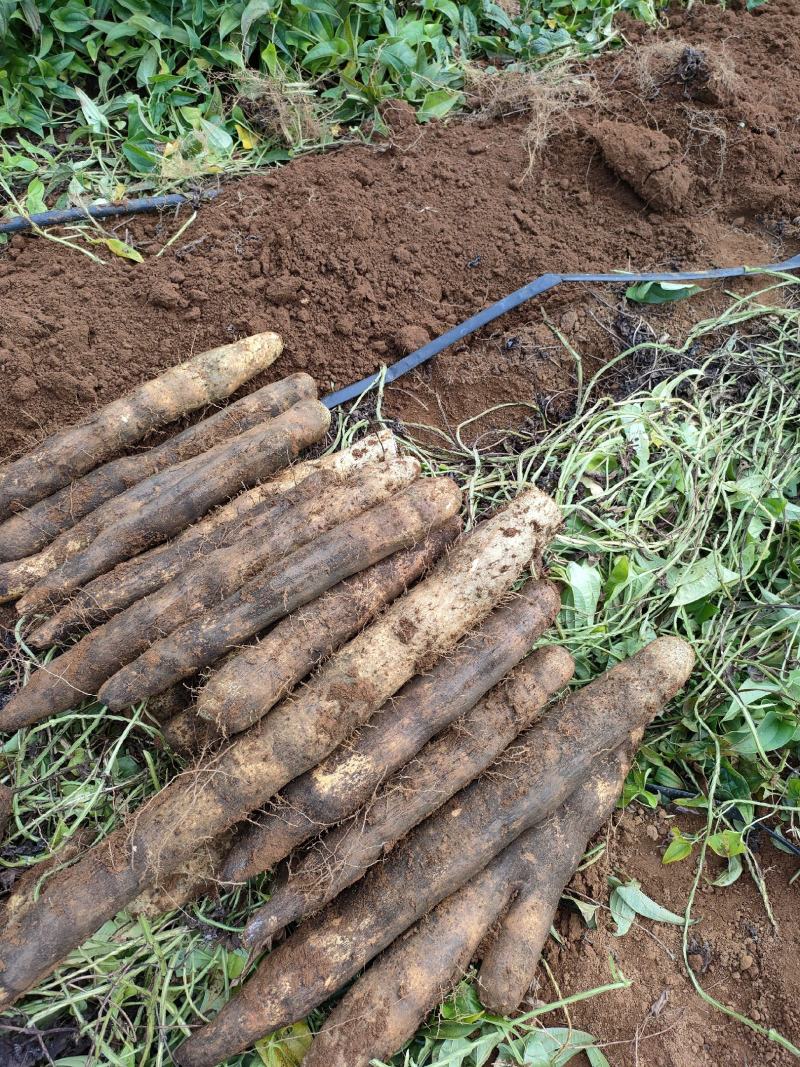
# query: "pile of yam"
351, 676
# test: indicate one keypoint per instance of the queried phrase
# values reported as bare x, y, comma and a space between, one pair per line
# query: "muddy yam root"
336, 788
307, 637
201, 484
298, 733
268, 502
32, 529
445, 765
529, 781
81, 670
387, 1005
301, 577
204, 379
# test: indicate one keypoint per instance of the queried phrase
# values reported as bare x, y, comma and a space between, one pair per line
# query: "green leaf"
585, 584
628, 901
254, 10
774, 731
286, 1047
729, 876
678, 849
437, 104
95, 118
704, 577
34, 198
660, 292
727, 843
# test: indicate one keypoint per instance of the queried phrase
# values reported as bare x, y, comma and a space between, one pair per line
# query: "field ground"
655, 160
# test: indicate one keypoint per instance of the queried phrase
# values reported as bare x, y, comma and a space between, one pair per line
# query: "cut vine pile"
456, 753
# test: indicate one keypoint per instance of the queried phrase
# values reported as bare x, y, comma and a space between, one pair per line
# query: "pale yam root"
195, 878
529, 781
386, 1006
81, 670
301, 577
267, 502
202, 483
446, 764
201, 380
30, 530
546, 860
299, 643
339, 785
297, 734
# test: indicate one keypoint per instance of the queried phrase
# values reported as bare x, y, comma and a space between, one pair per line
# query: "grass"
682, 516
122, 97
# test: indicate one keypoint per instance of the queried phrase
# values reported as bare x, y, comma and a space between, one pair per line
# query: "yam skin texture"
201, 380
339, 785
28, 578
136, 578
307, 637
81, 671
385, 1007
32, 529
201, 484
300, 578
6, 800
533, 778
446, 764
297, 734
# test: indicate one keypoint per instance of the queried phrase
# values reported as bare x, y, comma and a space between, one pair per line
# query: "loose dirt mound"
687, 157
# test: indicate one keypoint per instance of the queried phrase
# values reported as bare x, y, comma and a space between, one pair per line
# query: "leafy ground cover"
682, 517
119, 97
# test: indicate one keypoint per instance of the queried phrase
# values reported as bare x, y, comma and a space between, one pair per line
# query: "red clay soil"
738, 955
684, 159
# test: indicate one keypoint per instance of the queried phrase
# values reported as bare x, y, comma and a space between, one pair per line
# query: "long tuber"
32, 529
384, 1008
267, 502
201, 380
81, 670
336, 788
446, 764
302, 730
201, 483
533, 778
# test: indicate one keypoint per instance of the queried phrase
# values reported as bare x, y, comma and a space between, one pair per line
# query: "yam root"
385, 1007
302, 730
300, 578
535, 775
336, 788
32, 529
446, 764
202, 482
81, 670
299, 643
202, 380
140, 576
6, 799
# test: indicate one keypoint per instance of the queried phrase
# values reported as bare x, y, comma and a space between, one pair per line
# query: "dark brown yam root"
130, 581
386, 1006
340, 784
445, 765
34, 573
81, 671
204, 379
6, 799
197, 877
31, 530
297, 734
547, 857
307, 637
535, 775
300, 578
205, 481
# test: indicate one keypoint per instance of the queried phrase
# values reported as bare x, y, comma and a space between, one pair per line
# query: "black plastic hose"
527, 292
102, 211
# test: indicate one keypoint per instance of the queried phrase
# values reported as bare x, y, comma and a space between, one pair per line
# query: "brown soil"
684, 159
739, 957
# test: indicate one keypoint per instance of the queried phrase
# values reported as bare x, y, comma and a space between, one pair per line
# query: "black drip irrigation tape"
527, 292
21, 223
736, 816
